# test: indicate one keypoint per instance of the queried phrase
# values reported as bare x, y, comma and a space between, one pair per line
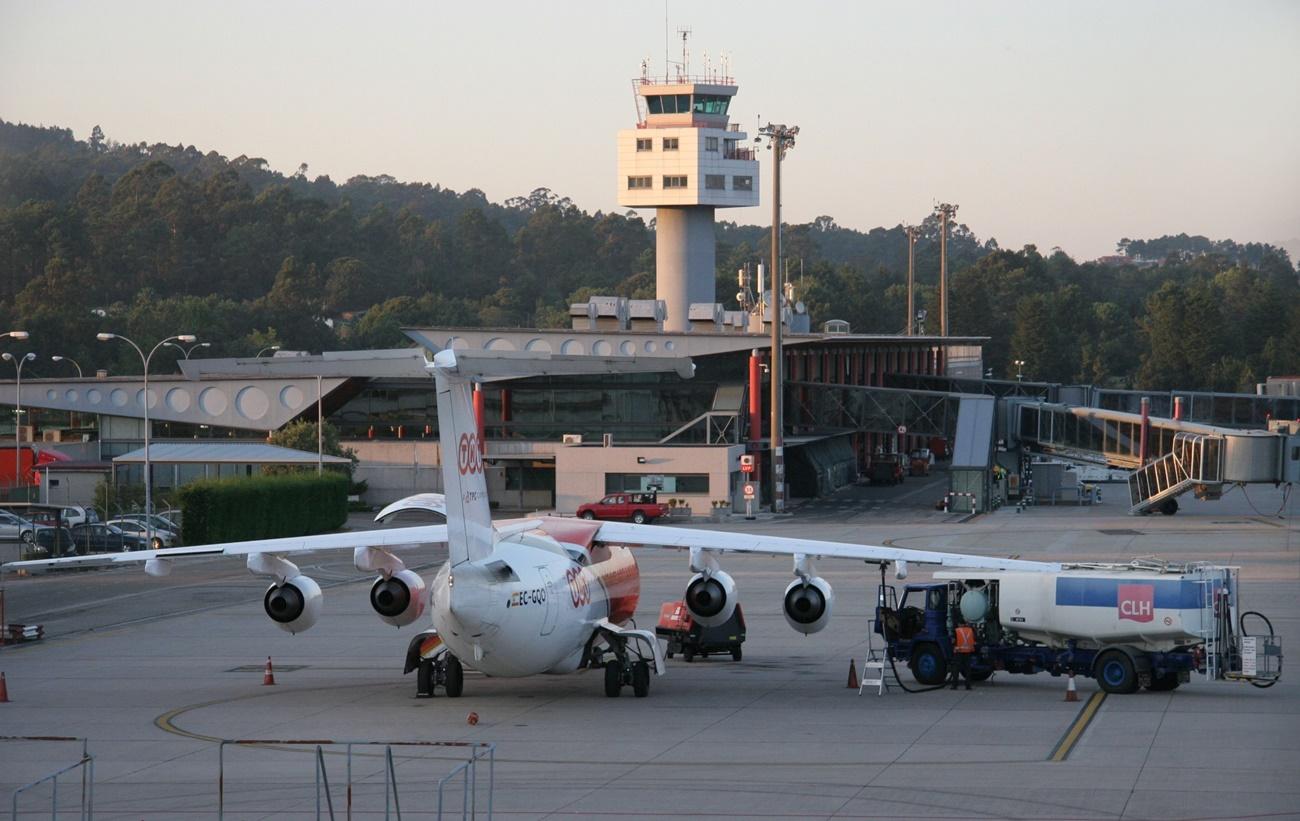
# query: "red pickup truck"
639, 507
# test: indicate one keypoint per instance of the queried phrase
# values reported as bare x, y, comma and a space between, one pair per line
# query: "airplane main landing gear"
446, 670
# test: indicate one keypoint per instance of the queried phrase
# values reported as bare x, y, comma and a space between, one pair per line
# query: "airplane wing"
391, 538
722, 541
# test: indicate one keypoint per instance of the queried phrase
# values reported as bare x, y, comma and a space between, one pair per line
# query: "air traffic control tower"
685, 159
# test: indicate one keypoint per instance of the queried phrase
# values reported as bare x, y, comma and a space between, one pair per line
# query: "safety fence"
462, 791
33, 794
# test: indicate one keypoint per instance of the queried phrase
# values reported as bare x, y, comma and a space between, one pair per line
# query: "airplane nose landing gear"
445, 670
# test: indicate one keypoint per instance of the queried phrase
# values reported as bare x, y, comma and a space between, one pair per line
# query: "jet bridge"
1180, 456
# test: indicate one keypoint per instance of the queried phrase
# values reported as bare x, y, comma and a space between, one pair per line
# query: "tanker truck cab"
1139, 625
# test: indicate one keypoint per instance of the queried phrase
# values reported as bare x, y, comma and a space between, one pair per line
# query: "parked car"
160, 538
15, 528
95, 537
160, 522
638, 507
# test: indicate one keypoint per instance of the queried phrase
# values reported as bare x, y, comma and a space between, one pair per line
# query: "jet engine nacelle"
295, 604
711, 599
399, 599
807, 604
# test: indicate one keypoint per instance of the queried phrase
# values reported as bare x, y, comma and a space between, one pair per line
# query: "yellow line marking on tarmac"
1072, 735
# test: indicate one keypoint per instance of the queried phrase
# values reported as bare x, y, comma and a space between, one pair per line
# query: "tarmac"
153, 673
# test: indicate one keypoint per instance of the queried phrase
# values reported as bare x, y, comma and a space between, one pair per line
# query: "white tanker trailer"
1143, 624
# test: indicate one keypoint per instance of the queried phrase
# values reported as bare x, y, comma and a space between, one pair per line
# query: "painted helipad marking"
1072, 735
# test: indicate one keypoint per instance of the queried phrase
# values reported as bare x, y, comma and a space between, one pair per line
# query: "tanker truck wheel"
1115, 672
929, 666
1163, 684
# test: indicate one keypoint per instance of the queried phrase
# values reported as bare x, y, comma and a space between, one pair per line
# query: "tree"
301, 435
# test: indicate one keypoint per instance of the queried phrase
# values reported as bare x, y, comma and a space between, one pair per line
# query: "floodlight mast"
780, 139
187, 339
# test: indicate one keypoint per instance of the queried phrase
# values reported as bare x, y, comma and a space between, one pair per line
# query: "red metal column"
1178, 408
478, 417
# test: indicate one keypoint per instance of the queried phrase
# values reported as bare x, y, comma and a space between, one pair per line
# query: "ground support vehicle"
686, 636
636, 507
885, 470
1143, 624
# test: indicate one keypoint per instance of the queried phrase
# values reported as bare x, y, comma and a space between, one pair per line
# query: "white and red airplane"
545, 595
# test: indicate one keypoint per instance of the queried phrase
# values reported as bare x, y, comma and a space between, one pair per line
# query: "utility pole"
945, 212
780, 139
911, 278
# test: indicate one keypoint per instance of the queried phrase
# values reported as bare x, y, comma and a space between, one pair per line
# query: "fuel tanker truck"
1144, 624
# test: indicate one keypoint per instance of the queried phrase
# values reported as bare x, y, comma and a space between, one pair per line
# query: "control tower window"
638, 182
715, 182
645, 144
670, 143
742, 183
668, 103
674, 182
711, 104
710, 143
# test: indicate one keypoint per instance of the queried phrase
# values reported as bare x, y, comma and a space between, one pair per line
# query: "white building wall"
692, 160
580, 471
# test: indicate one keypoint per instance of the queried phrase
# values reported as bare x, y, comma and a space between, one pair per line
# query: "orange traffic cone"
268, 677
471, 719
853, 676
4, 689
1071, 694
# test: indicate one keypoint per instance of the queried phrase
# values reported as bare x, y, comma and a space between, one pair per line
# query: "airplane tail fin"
469, 519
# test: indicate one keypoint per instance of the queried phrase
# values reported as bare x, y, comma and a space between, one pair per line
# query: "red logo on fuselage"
1137, 602
469, 459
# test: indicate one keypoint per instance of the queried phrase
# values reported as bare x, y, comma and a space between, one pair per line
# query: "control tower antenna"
945, 212
684, 67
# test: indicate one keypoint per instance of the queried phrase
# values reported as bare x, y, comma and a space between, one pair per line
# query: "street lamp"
264, 350
57, 358
189, 350
1020, 365
18, 361
188, 339
780, 139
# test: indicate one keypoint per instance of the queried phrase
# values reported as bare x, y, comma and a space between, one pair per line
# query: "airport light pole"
1020, 366
912, 233
190, 349
780, 138
268, 348
18, 361
945, 211
57, 358
188, 339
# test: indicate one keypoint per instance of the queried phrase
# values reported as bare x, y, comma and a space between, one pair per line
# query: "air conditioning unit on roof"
573, 438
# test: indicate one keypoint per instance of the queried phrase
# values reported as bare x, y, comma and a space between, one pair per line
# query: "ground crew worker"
963, 650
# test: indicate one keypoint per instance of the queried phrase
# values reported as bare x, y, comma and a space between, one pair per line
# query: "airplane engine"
399, 599
711, 600
295, 605
807, 604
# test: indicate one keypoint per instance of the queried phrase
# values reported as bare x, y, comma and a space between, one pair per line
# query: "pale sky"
1061, 124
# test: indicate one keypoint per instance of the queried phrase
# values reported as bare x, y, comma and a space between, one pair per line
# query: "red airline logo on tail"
469, 459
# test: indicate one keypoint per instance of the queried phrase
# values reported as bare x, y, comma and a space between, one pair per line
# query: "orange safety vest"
965, 640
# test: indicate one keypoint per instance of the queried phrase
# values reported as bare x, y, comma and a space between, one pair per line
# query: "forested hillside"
150, 240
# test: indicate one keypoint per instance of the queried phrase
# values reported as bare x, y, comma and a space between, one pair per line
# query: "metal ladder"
877, 663
1195, 459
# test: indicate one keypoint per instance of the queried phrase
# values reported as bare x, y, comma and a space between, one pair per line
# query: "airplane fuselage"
532, 605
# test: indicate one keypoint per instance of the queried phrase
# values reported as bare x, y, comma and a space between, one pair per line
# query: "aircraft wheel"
455, 677
613, 678
424, 679
641, 679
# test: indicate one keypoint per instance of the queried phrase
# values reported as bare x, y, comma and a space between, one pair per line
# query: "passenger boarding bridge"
1167, 459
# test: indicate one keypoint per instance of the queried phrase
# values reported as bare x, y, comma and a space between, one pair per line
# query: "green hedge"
263, 507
